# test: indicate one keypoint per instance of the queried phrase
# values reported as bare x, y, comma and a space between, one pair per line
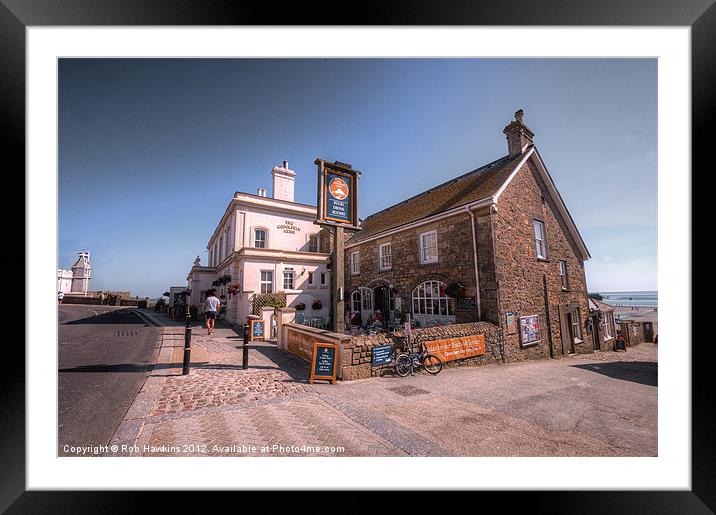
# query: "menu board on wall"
529, 330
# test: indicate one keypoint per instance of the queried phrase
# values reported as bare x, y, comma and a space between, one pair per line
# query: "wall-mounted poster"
510, 322
529, 330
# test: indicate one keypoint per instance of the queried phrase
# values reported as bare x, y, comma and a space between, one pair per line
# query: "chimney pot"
285, 164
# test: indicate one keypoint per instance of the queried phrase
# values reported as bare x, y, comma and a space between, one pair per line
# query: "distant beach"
637, 305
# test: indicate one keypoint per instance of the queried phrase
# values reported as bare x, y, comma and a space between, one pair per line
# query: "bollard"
245, 355
187, 341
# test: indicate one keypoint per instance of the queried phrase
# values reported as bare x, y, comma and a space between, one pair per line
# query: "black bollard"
245, 355
187, 341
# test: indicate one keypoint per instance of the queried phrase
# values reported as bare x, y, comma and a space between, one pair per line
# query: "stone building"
496, 244
265, 245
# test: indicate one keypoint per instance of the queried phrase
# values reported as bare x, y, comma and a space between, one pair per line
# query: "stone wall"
357, 352
455, 263
520, 274
633, 332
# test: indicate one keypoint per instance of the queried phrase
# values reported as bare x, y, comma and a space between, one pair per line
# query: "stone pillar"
283, 316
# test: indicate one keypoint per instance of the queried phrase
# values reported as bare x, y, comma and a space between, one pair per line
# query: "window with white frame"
313, 243
288, 279
221, 249
310, 279
266, 281
356, 301
540, 245
355, 263
608, 321
323, 278
563, 275
429, 247
429, 298
386, 257
576, 325
366, 298
260, 238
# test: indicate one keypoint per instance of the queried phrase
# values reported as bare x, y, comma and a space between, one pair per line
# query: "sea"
631, 298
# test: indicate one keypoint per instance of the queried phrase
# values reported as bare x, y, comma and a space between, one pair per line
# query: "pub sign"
337, 194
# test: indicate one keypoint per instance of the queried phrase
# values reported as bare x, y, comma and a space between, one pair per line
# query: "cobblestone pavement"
578, 406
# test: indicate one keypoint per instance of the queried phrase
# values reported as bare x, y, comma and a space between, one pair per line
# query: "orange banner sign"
451, 349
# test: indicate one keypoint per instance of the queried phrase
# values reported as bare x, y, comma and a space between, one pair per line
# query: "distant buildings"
76, 280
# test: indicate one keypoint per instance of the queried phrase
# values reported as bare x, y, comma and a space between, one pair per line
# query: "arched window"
429, 298
355, 301
260, 238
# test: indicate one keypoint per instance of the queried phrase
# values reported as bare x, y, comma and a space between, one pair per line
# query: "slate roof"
595, 305
475, 185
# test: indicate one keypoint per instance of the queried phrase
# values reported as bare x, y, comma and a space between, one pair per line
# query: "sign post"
337, 210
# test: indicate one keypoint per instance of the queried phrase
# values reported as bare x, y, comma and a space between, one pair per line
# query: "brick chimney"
283, 182
518, 134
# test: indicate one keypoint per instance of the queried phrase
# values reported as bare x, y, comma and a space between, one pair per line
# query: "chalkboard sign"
256, 330
323, 364
381, 355
466, 304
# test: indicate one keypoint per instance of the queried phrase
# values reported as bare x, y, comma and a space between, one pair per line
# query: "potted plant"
300, 306
317, 304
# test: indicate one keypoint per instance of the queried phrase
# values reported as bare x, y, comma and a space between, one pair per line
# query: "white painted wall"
285, 231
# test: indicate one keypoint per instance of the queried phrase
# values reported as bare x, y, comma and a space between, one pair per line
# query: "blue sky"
152, 150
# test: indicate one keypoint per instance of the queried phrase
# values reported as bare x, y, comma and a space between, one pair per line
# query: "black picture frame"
17, 15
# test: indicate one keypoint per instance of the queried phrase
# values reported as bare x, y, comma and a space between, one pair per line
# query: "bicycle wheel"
402, 365
432, 364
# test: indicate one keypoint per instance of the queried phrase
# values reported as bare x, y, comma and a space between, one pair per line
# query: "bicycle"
407, 361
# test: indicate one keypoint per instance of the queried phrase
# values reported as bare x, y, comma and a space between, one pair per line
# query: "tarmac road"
105, 354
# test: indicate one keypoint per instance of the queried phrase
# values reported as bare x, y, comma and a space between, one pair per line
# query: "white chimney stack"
283, 182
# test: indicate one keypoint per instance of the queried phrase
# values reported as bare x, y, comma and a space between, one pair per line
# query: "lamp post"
187, 336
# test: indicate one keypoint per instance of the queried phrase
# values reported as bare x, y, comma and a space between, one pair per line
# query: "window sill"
565, 289
311, 287
577, 340
385, 269
543, 259
429, 262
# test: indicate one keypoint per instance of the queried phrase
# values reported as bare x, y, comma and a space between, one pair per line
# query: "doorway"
381, 295
596, 335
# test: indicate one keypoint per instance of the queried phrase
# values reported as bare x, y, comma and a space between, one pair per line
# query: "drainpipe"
477, 275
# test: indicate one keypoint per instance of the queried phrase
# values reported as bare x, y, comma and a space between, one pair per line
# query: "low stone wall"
69, 299
357, 352
633, 332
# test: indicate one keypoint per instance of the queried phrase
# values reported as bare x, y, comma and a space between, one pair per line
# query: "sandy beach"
640, 313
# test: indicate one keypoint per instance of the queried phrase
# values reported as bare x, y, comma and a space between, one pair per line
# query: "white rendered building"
264, 245
75, 281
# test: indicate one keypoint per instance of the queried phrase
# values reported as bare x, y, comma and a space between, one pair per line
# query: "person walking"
211, 307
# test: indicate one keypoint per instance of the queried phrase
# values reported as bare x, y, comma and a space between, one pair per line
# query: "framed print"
38, 35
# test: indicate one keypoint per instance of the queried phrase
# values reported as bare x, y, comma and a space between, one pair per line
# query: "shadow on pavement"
642, 372
127, 367
111, 317
294, 366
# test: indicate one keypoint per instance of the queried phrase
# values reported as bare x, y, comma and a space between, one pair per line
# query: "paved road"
105, 355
